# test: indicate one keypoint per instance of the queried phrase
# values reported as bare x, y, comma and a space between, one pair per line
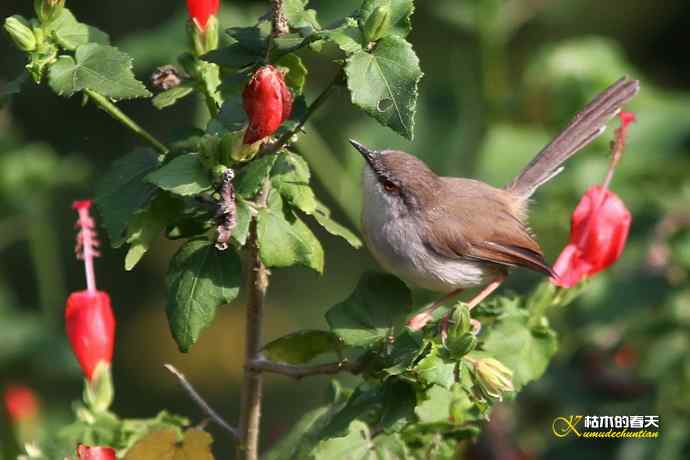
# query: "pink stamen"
87, 241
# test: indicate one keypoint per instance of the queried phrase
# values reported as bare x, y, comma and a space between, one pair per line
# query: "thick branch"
196, 397
279, 21
298, 372
250, 408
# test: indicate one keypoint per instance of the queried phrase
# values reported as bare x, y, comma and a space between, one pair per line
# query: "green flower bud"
494, 378
19, 30
378, 23
460, 345
48, 10
203, 39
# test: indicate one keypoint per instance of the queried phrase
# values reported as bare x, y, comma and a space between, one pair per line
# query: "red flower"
268, 103
20, 402
90, 328
95, 453
201, 10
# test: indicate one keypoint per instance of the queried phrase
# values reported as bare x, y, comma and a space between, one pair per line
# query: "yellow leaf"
164, 445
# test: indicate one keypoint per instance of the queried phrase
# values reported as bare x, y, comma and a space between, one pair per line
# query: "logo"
607, 426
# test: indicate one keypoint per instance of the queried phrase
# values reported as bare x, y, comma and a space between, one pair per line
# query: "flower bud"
377, 24
268, 103
20, 403
85, 452
20, 32
90, 328
48, 10
203, 25
494, 378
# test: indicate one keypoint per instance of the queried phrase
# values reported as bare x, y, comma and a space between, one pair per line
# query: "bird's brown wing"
478, 223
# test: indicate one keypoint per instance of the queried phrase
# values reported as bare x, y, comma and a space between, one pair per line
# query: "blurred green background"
500, 78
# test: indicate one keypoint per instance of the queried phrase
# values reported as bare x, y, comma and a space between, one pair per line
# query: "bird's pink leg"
484, 293
420, 320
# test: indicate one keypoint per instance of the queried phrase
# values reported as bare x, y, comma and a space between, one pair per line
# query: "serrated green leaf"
401, 14
184, 175
200, 279
146, 226
384, 83
299, 17
290, 176
405, 350
70, 33
355, 445
296, 74
433, 370
123, 191
347, 36
323, 217
252, 176
172, 95
284, 240
374, 311
208, 75
301, 347
103, 69
511, 341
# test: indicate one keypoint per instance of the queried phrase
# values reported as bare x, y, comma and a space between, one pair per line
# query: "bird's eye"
389, 186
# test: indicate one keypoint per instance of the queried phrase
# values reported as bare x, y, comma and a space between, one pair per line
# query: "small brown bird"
447, 234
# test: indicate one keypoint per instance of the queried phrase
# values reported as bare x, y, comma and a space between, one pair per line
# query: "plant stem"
196, 397
257, 283
120, 116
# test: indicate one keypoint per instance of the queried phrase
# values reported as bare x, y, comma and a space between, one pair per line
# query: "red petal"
202, 10
90, 326
570, 267
20, 402
95, 453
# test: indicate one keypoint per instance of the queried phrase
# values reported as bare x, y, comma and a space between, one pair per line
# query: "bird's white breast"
392, 236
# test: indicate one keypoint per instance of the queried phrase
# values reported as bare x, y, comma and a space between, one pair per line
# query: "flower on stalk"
268, 103
599, 225
89, 316
203, 25
494, 378
85, 452
21, 403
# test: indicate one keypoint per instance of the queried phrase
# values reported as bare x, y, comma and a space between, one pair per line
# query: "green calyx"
203, 40
48, 10
19, 30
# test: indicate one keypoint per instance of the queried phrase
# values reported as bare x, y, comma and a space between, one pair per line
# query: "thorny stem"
196, 397
250, 405
120, 116
298, 372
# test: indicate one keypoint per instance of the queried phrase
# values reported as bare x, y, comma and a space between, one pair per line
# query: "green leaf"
355, 445
208, 75
401, 14
366, 398
70, 33
296, 72
435, 408
100, 68
243, 217
511, 341
122, 191
433, 370
284, 240
323, 217
172, 95
405, 350
184, 175
234, 56
252, 176
253, 38
200, 279
373, 312
290, 176
346, 36
299, 17
147, 225
384, 83
399, 401
301, 347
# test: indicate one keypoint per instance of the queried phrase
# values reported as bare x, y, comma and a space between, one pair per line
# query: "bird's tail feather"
583, 129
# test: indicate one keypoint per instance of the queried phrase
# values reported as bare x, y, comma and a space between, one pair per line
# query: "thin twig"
120, 116
298, 372
196, 397
250, 406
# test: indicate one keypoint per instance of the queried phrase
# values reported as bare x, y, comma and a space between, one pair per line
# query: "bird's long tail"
583, 129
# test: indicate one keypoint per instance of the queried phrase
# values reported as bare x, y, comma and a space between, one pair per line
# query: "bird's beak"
368, 154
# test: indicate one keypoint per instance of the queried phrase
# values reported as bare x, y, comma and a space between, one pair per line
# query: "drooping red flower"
95, 453
21, 403
268, 103
90, 326
201, 10
599, 229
